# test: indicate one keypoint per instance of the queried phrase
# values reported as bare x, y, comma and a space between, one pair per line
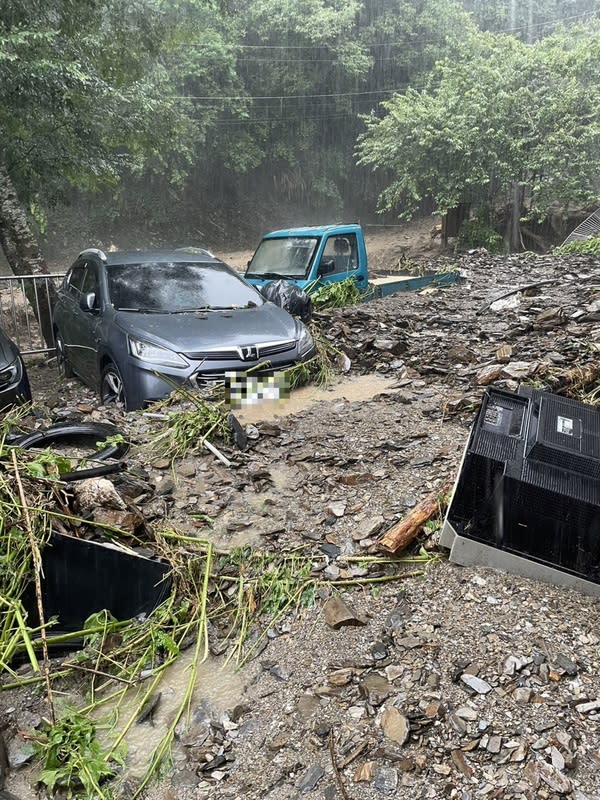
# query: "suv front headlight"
155, 354
305, 341
10, 375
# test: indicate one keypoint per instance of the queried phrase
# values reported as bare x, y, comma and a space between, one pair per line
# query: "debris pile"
360, 674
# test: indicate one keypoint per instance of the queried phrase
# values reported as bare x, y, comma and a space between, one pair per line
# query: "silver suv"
125, 321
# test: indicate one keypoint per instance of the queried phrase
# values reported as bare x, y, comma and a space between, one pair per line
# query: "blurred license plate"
246, 390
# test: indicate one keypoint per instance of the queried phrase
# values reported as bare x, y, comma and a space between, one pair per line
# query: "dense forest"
205, 121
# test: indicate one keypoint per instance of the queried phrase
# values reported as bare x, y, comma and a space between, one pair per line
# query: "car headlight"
10, 375
155, 354
305, 341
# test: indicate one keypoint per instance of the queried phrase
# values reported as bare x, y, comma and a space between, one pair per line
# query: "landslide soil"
383, 708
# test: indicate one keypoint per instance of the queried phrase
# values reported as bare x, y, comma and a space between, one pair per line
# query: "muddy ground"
453, 682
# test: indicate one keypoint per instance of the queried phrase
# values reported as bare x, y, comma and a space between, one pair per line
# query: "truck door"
340, 260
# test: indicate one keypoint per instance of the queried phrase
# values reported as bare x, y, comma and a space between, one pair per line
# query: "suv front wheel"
112, 390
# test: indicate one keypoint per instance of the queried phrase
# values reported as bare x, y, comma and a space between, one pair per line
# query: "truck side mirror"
326, 267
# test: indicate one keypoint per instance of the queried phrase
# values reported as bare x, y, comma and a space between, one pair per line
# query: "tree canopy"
189, 109
503, 113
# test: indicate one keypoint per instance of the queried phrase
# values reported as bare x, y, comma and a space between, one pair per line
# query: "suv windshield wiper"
143, 310
191, 310
250, 304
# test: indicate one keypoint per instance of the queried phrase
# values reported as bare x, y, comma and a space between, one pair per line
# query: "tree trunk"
23, 253
513, 218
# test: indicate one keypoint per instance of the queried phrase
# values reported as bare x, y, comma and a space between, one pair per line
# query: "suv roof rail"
94, 251
196, 251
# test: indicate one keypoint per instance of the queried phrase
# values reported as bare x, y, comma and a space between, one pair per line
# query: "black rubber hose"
93, 472
96, 431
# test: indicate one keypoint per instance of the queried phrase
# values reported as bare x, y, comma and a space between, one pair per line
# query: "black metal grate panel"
540, 501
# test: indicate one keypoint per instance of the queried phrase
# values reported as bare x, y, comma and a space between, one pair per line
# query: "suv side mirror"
87, 302
326, 267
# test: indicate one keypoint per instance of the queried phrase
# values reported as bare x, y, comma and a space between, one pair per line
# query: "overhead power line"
408, 40
208, 98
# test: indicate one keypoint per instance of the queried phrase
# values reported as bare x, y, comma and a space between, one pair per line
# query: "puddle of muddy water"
219, 688
361, 387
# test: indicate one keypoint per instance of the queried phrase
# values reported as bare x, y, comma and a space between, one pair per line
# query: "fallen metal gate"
19, 318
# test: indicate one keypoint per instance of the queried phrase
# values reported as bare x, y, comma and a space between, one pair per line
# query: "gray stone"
185, 778
19, 753
375, 688
397, 617
565, 663
522, 695
385, 779
310, 778
477, 684
457, 723
553, 778
466, 712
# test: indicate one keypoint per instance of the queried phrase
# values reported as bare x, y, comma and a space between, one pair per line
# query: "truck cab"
307, 256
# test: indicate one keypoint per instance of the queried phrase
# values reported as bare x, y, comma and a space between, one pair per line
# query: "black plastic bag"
290, 297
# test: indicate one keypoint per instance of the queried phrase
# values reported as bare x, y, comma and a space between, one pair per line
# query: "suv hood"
189, 331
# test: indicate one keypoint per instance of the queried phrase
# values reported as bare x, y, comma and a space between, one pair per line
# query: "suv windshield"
177, 287
283, 258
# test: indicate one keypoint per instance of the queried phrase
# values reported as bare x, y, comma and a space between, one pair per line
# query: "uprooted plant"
584, 247
338, 294
318, 370
240, 595
73, 760
186, 429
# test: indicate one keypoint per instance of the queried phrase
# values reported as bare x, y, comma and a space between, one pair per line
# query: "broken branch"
404, 532
515, 291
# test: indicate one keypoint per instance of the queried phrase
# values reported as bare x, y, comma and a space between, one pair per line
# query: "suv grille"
235, 353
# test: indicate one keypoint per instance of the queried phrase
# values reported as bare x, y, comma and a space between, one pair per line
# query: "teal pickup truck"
316, 256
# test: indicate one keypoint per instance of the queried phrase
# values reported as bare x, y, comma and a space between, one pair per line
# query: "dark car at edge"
123, 320
14, 383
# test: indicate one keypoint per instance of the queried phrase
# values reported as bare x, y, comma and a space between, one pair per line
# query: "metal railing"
24, 301
589, 227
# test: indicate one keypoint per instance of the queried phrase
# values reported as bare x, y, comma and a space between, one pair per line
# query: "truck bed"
391, 284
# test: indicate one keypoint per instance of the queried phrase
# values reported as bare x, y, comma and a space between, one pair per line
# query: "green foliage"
318, 370
185, 430
116, 438
73, 759
47, 464
338, 294
278, 581
160, 101
84, 93
475, 233
528, 21
501, 114
587, 247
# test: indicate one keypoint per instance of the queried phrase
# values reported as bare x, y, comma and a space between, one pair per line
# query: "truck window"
343, 251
